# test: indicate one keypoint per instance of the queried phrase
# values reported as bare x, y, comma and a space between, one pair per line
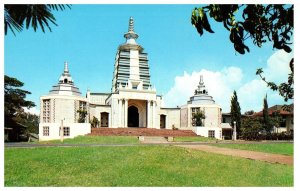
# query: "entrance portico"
136, 113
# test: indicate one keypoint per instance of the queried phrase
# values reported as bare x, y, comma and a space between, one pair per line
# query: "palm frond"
33, 15
58, 7
10, 23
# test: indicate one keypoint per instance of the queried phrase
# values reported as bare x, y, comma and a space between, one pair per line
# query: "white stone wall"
98, 99
96, 110
172, 117
76, 129
203, 131
62, 107
212, 117
134, 65
184, 117
65, 109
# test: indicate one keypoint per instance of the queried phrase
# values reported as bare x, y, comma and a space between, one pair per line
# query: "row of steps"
153, 139
140, 132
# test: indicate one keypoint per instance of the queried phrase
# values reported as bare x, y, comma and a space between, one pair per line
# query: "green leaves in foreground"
261, 23
30, 15
200, 21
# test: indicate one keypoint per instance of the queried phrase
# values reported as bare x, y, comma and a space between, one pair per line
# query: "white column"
148, 113
189, 121
125, 112
120, 111
153, 114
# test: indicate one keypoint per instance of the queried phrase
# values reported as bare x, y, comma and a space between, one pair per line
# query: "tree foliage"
199, 116
250, 112
235, 112
251, 128
14, 116
266, 119
82, 115
31, 121
261, 23
285, 89
14, 97
30, 15
95, 122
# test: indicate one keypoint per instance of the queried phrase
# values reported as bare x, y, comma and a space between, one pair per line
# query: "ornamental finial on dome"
201, 87
131, 25
201, 80
66, 69
131, 35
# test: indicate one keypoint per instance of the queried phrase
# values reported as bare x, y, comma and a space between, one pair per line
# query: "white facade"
62, 105
132, 102
53, 132
201, 102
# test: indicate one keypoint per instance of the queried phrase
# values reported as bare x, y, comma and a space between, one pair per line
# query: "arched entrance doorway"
162, 121
104, 119
133, 116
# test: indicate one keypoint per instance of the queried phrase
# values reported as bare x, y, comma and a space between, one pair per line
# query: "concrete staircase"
154, 139
140, 132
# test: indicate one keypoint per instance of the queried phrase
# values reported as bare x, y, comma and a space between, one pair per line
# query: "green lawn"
97, 140
277, 148
136, 166
194, 139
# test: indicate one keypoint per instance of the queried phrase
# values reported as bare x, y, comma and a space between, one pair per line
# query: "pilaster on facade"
153, 113
126, 113
148, 113
120, 112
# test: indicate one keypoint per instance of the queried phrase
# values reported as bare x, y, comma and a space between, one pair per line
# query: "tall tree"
260, 23
235, 112
14, 97
33, 15
31, 121
14, 101
266, 118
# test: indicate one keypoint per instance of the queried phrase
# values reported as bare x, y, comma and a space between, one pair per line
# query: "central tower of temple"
131, 64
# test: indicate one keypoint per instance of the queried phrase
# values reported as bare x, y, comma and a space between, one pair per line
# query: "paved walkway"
267, 157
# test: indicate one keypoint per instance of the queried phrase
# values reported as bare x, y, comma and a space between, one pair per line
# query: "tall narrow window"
66, 131
211, 133
46, 110
82, 105
46, 131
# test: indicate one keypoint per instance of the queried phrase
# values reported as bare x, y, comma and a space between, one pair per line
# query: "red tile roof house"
287, 122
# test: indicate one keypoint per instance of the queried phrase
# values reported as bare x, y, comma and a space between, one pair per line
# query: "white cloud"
221, 84
251, 95
33, 110
278, 66
218, 84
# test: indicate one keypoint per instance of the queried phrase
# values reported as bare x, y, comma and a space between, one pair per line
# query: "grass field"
136, 166
277, 148
97, 140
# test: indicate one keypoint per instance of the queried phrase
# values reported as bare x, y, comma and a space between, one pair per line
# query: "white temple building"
62, 104
132, 102
202, 102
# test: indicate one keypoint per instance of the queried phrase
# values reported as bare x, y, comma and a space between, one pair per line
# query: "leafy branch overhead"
285, 89
261, 23
30, 15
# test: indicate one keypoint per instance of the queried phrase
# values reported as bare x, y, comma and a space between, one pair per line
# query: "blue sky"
88, 37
